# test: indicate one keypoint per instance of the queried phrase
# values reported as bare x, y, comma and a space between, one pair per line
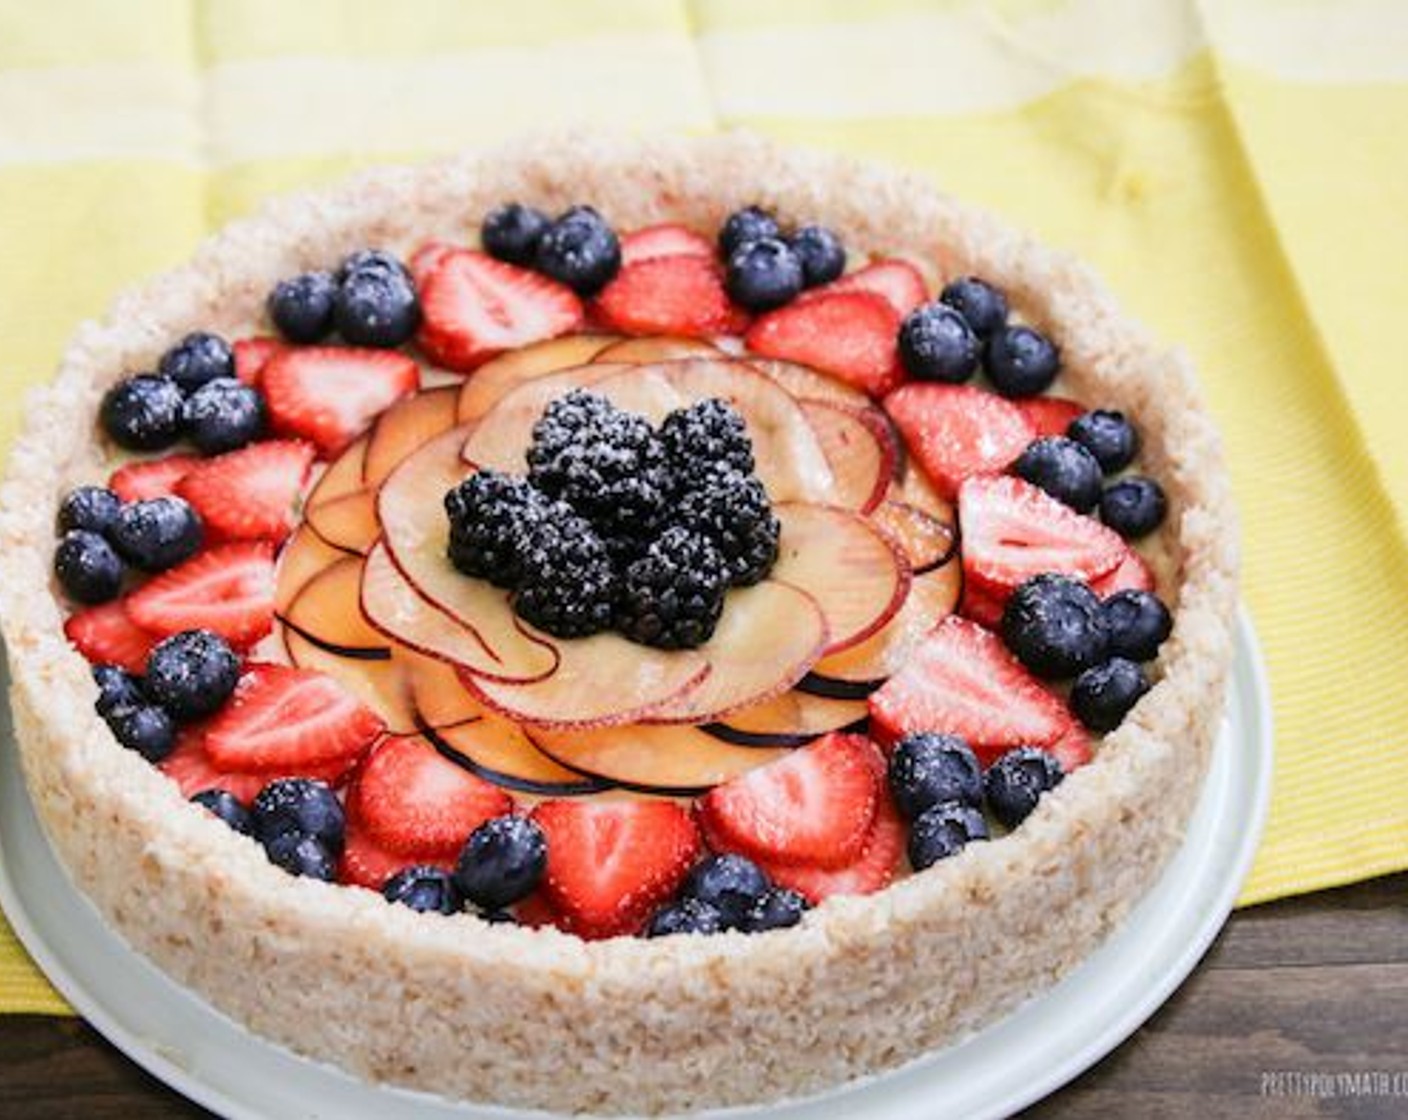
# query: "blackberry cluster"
491, 515
708, 433
672, 596
568, 582
732, 508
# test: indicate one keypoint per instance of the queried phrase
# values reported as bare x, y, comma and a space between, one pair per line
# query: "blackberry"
567, 584
491, 515
672, 596
706, 433
608, 465
732, 508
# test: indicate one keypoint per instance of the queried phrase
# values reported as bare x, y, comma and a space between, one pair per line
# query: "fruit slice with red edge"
850, 335
896, 281
253, 354
814, 806
348, 523
228, 589
411, 800
404, 427
439, 698
860, 450
671, 295
328, 613
792, 719
642, 351
281, 716
912, 486
500, 438
303, 556
331, 394
611, 863
427, 258
106, 635
981, 605
1132, 573
343, 476
496, 377
142, 479
252, 493
856, 575
806, 384
962, 681
1049, 416
680, 760
926, 542
1013, 530
191, 768
500, 751
667, 239
366, 863
474, 307
955, 432
377, 682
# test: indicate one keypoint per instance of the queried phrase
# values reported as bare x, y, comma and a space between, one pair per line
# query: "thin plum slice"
500, 751
380, 684
860, 450
926, 541
437, 693
342, 476
640, 351
303, 556
328, 613
807, 384
792, 719
404, 427
496, 377
347, 522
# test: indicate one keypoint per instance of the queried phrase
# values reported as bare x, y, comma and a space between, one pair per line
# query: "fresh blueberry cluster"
370, 300
766, 267
100, 537
618, 524
728, 892
577, 248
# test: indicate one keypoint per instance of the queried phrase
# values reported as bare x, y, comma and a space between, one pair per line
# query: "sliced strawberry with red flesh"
106, 635
957, 431
252, 493
228, 589
610, 863
427, 258
534, 912
814, 806
191, 768
475, 307
848, 334
872, 870
1049, 416
411, 799
897, 281
1131, 574
151, 478
331, 394
1072, 750
1012, 530
666, 240
367, 863
677, 295
962, 681
282, 718
981, 605
253, 354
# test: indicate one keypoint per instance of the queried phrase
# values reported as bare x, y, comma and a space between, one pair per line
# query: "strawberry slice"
814, 806
957, 431
228, 589
253, 354
665, 240
367, 863
107, 635
191, 768
475, 307
848, 334
151, 478
331, 394
898, 282
981, 605
872, 869
1049, 416
1072, 749
610, 863
1131, 574
672, 295
413, 800
1012, 530
252, 493
282, 718
962, 681
426, 260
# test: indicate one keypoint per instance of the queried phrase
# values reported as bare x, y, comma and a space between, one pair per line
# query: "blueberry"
689, 915
512, 231
944, 830
117, 688
87, 567
1138, 622
196, 359
1103, 694
1133, 507
779, 908
302, 306
429, 890
302, 855
501, 862
228, 808
377, 307
191, 674
1021, 362
1055, 626
1064, 469
1016, 781
580, 250
89, 507
144, 728
752, 223
937, 344
1108, 436
142, 413
763, 274
370, 260
157, 533
223, 415
300, 807
928, 768
822, 255
731, 884
982, 305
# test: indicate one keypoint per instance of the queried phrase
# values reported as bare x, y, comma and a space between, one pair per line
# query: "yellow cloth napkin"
1235, 170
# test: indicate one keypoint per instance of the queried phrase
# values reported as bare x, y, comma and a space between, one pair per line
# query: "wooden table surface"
1294, 999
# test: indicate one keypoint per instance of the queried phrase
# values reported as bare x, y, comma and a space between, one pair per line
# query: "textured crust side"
491, 1013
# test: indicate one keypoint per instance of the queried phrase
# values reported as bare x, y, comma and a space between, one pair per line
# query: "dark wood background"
1310, 985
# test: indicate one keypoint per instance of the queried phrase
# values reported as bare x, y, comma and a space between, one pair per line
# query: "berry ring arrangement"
721, 620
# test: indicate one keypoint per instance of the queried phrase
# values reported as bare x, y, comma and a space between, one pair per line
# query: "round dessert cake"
717, 620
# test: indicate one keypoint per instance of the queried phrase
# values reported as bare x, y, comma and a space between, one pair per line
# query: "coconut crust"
495, 1013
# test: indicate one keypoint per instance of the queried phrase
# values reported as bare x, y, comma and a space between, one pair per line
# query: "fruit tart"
721, 620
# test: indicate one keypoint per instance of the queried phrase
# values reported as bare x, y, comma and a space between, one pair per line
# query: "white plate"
1041, 1046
